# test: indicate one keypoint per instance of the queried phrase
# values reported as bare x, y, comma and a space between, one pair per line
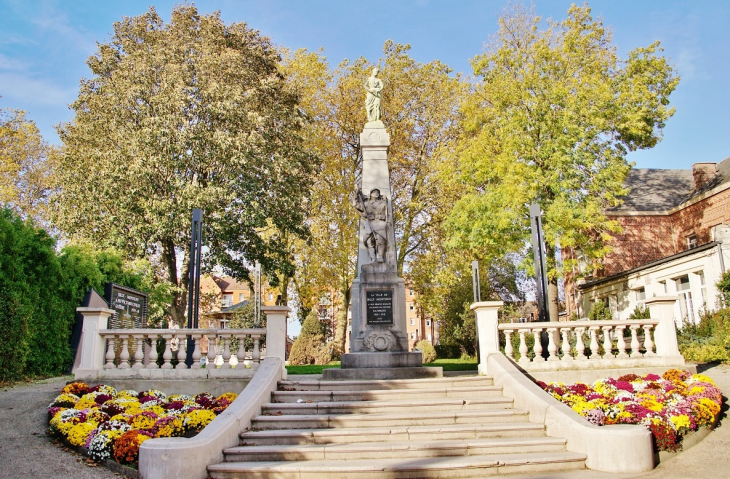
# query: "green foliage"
640, 312
245, 317
448, 351
309, 347
188, 114
427, 349
707, 341
600, 312
724, 286
550, 122
39, 293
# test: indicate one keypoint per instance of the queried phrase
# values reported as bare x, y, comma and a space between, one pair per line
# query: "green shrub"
448, 351
600, 311
640, 312
309, 347
428, 351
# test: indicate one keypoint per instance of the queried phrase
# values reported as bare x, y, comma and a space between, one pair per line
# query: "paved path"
26, 451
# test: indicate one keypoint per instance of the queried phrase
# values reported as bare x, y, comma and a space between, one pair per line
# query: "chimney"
702, 173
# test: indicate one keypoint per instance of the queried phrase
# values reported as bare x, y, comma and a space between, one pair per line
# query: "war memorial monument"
378, 341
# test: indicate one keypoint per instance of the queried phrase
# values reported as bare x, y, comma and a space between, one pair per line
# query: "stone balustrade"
161, 353
580, 345
133, 348
579, 340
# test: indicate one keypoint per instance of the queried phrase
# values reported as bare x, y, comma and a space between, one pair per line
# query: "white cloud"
25, 90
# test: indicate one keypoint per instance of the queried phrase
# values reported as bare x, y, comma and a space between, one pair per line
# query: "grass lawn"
447, 364
311, 368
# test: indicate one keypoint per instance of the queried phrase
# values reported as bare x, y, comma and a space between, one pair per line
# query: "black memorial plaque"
130, 306
379, 306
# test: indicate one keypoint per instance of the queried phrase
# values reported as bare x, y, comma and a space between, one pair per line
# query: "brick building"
675, 226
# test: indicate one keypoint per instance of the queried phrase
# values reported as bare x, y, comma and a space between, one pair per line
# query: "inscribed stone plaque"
379, 306
129, 305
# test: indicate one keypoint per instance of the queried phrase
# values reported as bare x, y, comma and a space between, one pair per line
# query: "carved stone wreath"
380, 341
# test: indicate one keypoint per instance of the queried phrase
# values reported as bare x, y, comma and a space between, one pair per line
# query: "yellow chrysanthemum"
703, 378
77, 434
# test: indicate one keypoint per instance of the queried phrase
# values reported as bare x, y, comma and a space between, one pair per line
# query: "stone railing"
575, 345
132, 348
133, 353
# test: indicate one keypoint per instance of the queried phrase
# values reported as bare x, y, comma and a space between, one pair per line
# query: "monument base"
382, 365
364, 374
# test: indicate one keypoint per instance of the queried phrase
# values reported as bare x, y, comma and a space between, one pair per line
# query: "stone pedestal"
378, 342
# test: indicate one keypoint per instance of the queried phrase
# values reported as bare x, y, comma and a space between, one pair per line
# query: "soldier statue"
374, 211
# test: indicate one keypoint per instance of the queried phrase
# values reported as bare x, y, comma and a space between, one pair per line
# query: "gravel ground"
27, 452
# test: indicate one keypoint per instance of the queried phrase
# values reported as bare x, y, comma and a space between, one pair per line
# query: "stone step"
312, 385
399, 405
393, 450
430, 467
318, 421
389, 434
387, 394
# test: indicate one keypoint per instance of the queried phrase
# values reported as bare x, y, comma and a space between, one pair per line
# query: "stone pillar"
92, 347
487, 332
665, 335
276, 333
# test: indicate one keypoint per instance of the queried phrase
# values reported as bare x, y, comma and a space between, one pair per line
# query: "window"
703, 290
240, 297
413, 321
685, 298
271, 296
412, 307
227, 300
411, 293
413, 336
428, 323
663, 287
640, 294
691, 241
428, 336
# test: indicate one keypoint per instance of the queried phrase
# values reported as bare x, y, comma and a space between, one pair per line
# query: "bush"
309, 347
449, 351
708, 340
428, 351
600, 311
640, 312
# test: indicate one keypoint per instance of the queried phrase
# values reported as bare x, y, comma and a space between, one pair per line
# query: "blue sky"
44, 45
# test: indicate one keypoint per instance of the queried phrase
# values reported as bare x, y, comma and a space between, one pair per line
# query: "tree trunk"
180, 293
341, 332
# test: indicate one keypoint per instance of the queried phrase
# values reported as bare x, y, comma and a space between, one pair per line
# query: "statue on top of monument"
375, 212
374, 87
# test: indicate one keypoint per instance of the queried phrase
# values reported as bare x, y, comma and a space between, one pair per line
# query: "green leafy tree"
189, 114
551, 121
26, 166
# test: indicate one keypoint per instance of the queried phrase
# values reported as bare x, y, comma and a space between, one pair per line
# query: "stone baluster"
196, 351
256, 355
124, 354
153, 351
111, 345
167, 355
182, 352
212, 338
508, 350
580, 348
241, 353
537, 348
594, 342
648, 343
621, 343
565, 331
226, 352
524, 358
635, 345
139, 351
552, 347
607, 344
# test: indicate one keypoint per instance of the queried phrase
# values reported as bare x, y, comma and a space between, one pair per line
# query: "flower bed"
112, 424
671, 405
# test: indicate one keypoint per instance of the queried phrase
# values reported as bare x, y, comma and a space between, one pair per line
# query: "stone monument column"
378, 342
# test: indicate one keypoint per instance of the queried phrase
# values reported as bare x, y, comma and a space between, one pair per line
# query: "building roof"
656, 190
653, 190
226, 283
666, 259
235, 307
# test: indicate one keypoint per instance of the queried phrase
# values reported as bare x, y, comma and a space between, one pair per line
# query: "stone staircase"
433, 428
